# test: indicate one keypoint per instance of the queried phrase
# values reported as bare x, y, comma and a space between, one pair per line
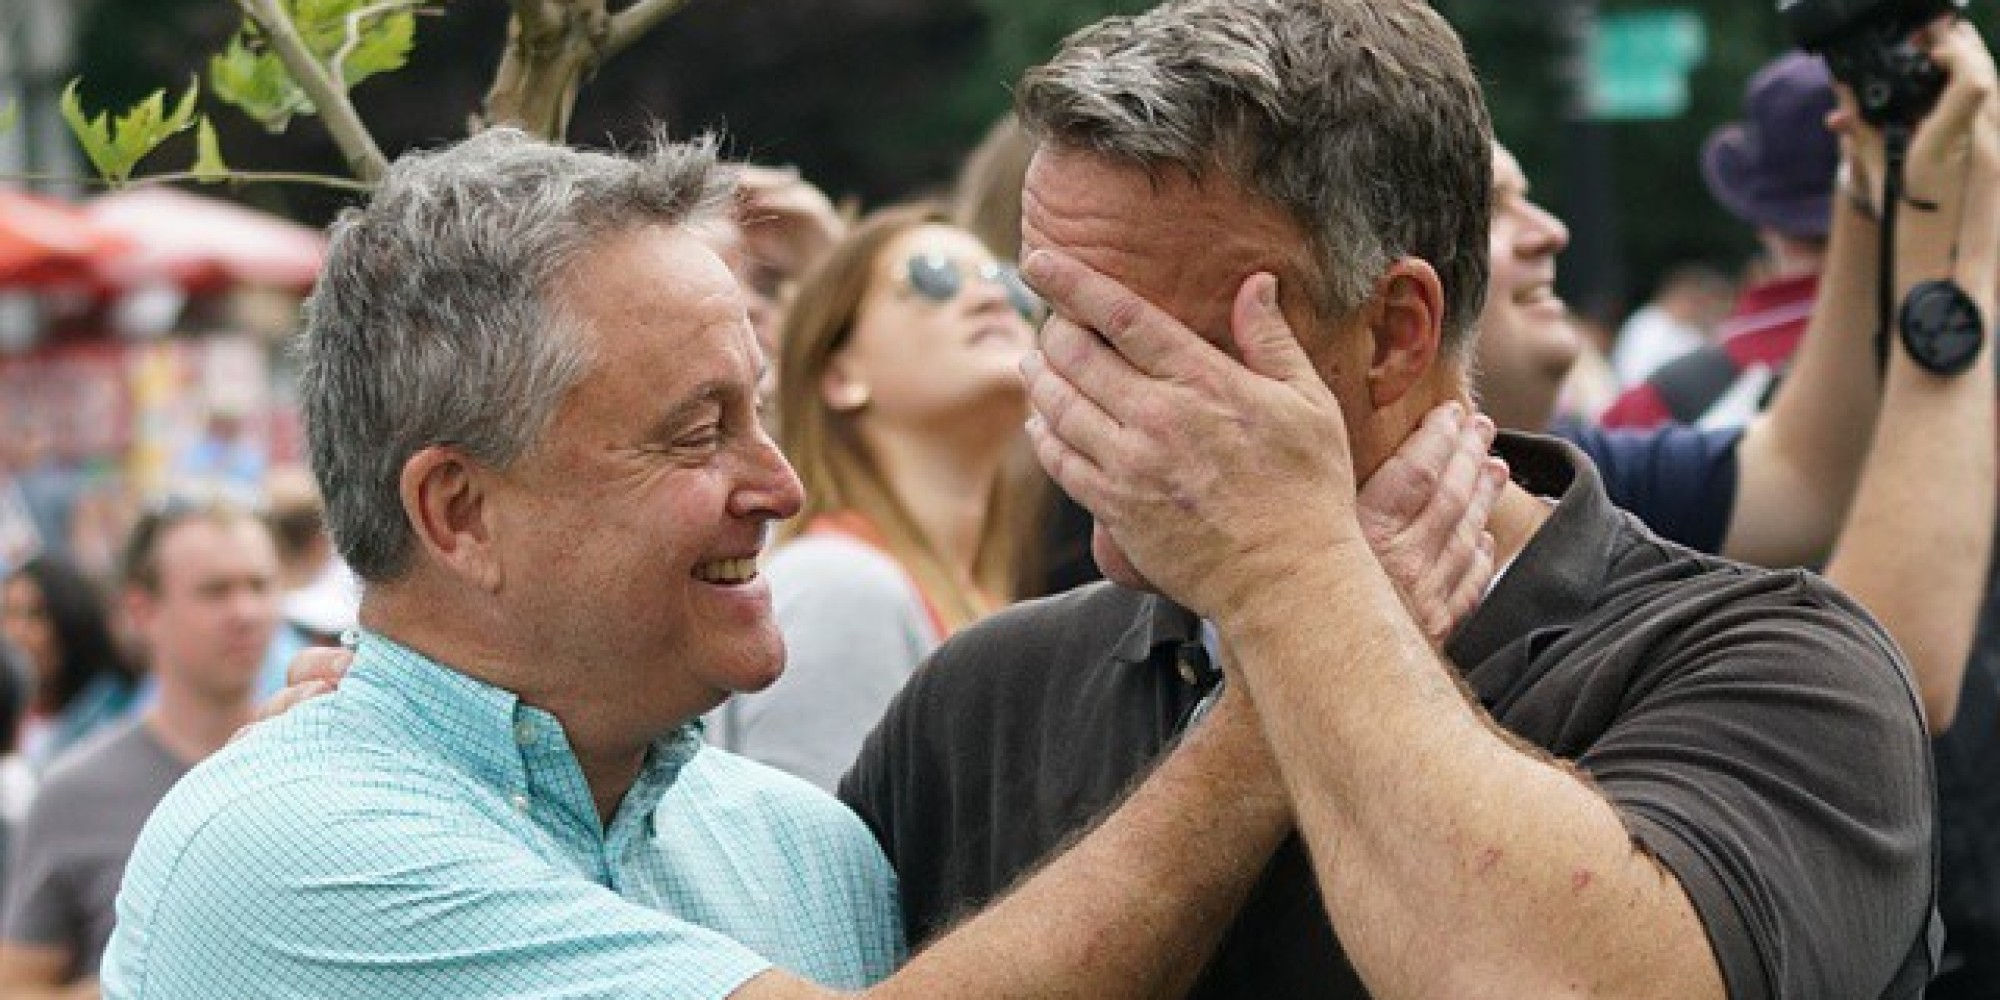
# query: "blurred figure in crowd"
321, 597
201, 585
17, 779
227, 460
779, 227
20, 538
79, 678
899, 402
1590, 385
48, 481
1775, 171
986, 198
321, 593
1690, 300
986, 201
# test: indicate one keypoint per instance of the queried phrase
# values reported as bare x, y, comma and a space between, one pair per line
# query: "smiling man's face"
1526, 341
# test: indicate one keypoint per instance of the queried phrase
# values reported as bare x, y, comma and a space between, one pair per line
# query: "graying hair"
1361, 119
435, 320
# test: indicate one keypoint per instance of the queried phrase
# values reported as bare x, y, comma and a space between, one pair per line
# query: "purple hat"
1776, 169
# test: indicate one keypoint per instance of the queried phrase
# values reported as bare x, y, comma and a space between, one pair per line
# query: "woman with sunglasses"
900, 404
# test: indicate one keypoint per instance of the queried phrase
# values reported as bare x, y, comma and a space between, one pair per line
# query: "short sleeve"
1681, 481
1810, 860
41, 905
332, 890
854, 633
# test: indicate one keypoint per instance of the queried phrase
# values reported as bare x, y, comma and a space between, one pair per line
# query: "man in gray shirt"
201, 590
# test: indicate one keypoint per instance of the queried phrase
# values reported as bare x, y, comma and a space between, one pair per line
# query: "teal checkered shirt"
421, 834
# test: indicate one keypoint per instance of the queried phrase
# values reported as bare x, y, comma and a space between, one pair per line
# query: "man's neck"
1517, 515
193, 725
606, 749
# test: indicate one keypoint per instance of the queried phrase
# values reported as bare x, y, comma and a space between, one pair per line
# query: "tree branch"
537, 18
235, 178
356, 144
628, 25
551, 46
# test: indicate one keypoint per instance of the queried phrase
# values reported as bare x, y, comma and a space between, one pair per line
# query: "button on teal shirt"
419, 833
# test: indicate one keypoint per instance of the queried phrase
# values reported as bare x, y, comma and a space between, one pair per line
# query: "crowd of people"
729, 620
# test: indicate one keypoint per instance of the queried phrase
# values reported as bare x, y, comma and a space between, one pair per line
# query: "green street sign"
1639, 63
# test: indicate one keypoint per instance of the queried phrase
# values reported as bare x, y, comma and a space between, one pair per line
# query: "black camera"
1867, 45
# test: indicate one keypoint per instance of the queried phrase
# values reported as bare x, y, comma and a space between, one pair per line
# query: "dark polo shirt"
1757, 732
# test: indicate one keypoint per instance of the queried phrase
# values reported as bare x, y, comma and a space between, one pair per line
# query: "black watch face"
1942, 328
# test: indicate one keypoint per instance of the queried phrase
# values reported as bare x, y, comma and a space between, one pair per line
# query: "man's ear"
140, 605
1407, 324
446, 497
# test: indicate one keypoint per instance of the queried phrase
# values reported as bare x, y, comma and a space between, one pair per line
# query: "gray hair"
434, 321
1361, 119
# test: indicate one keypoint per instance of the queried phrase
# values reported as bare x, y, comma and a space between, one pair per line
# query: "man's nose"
1545, 232
772, 490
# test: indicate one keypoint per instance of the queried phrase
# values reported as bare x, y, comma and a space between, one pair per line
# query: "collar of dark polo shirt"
1567, 558
1557, 576
1160, 622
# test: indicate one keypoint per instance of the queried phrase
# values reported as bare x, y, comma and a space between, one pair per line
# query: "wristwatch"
1941, 326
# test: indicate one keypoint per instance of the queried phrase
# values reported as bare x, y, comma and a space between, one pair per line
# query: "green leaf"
10, 116
384, 47
249, 75
183, 115
255, 82
208, 165
116, 145
93, 134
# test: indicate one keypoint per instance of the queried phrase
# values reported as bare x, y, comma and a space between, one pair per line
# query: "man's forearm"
1427, 823
1136, 907
1916, 545
1798, 462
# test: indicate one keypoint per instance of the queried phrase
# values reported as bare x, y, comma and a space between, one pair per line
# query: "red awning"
201, 243
48, 243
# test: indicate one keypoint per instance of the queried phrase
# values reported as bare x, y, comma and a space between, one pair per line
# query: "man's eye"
706, 437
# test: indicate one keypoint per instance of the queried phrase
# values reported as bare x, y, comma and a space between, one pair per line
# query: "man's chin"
1111, 561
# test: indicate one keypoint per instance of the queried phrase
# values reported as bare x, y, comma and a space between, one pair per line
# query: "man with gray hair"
530, 394
1634, 771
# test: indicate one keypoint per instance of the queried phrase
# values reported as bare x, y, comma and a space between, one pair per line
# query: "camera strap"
1896, 149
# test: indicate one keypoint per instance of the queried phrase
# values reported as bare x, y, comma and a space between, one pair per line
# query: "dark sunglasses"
940, 279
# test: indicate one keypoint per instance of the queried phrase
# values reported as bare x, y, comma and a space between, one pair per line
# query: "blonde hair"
825, 446
986, 200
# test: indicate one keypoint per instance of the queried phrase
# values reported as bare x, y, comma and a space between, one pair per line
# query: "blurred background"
1605, 102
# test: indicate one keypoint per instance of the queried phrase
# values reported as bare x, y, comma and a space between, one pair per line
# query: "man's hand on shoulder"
315, 671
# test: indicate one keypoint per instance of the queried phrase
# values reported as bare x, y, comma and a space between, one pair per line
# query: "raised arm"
1900, 465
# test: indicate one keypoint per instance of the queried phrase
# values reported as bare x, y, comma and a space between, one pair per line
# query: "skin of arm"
1483, 840
34, 972
1135, 909
1914, 509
